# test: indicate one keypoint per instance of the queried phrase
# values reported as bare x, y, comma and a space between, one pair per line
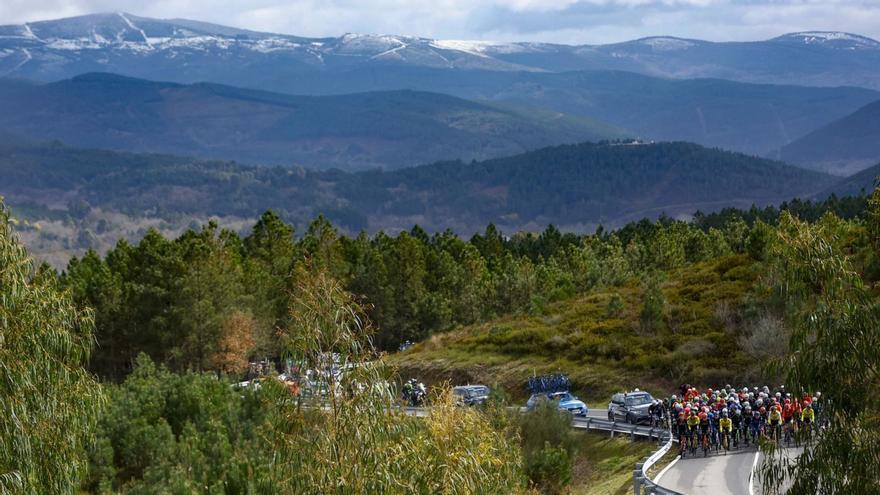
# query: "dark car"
631, 407
470, 395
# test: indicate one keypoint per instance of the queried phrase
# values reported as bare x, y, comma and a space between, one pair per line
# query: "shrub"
549, 469
766, 338
615, 306
653, 307
548, 447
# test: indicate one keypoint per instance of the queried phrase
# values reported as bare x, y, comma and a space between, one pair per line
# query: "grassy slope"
600, 352
604, 465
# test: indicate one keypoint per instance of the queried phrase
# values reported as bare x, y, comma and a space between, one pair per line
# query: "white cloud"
567, 21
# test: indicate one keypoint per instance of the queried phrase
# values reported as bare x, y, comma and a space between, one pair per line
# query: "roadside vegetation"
175, 322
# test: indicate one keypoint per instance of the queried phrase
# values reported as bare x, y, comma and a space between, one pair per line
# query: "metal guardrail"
660, 434
642, 483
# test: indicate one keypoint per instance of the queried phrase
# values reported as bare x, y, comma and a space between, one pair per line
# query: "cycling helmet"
724, 413
787, 402
737, 412
818, 395
688, 410
762, 410
703, 416
760, 402
674, 398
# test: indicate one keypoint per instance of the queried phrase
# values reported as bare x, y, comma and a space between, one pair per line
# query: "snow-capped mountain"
831, 39
102, 39
189, 51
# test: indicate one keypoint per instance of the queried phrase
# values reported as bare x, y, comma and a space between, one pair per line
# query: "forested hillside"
843, 147
856, 184
82, 198
356, 131
179, 299
650, 305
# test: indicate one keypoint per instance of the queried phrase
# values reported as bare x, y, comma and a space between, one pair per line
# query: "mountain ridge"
354, 131
574, 186
57, 49
842, 147
581, 106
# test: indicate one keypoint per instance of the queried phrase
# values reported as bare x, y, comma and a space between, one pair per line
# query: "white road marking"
657, 478
752, 473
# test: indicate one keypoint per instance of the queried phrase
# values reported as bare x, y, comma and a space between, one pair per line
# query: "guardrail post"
637, 479
613, 426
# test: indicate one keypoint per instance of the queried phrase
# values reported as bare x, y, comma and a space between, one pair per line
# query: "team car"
565, 401
631, 407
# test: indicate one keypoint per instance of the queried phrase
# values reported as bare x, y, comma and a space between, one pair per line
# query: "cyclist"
737, 423
797, 409
818, 409
808, 417
725, 425
705, 430
682, 427
747, 423
788, 418
774, 420
693, 423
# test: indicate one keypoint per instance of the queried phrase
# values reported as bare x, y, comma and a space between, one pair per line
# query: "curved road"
718, 474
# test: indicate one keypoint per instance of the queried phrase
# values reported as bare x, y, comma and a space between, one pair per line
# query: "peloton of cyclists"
729, 418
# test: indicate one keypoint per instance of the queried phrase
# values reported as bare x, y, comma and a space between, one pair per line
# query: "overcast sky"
563, 21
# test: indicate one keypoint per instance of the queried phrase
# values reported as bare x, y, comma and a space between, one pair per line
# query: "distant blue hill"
657, 88
843, 147
377, 129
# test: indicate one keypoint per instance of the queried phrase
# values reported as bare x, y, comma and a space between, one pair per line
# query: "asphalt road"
718, 474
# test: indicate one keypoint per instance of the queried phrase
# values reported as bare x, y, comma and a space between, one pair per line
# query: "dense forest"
175, 321
575, 187
194, 301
